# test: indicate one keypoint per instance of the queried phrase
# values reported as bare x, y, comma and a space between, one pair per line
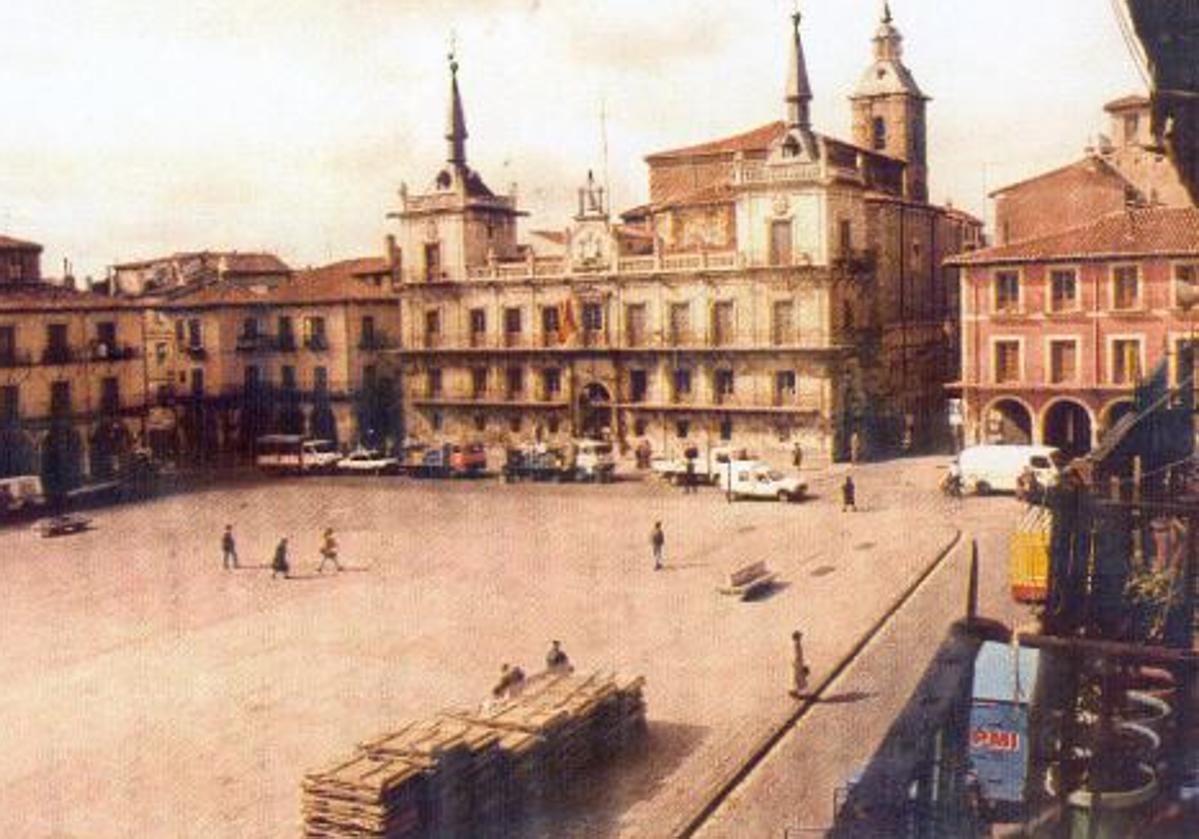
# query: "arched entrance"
595, 412
109, 443
1114, 411
1007, 421
18, 453
1067, 425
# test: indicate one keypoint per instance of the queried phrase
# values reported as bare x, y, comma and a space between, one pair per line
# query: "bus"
294, 453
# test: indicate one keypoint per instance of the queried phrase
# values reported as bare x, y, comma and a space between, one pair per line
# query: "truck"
594, 461
754, 479
295, 453
448, 460
709, 467
538, 463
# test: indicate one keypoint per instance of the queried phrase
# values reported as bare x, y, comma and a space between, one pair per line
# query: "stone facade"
20, 262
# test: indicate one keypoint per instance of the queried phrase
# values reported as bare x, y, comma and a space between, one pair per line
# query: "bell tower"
889, 109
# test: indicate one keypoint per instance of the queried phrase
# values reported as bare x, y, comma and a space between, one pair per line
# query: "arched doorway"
109, 443
1067, 425
595, 412
1114, 411
1007, 421
18, 453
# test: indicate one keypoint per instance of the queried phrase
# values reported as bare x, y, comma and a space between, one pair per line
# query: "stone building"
183, 271
779, 286
302, 357
1057, 330
72, 392
1125, 168
20, 262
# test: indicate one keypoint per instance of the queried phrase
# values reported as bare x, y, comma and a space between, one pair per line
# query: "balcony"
682, 338
375, 342
515, 340
636, 338
58, 355
552, 338
594, 338
114, 352
317, 343
254, 343
286, 342
16, 359
196, 351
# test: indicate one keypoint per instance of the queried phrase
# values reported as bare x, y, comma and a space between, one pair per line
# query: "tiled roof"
9, 243
757, 139
236, 262
1091, 165
340, 281
42, 296
1126, 102
1157, 231
717, 193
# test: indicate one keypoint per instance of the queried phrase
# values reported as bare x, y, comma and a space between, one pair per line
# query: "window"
682, 383
784, 387
288, 375
10, 404
1126, 287
320, 381
780, 242
514, 378
1063, 362
638, 385
106, 338
57, 351
1132, 124
723, 326
680, 323
1186, 285
435, 421
514, 424
1007, 361
478, 382
180, 326
726, 428
1126, 361
723, 384
287, 337
550, 319
1063, 290
878, 133
249, 328
782, 323
1007, 292
682, 428
432, 328
480, 422
368, 331
8, 345
314, 334
635, 324
110, 395
195, 333
434, 383
478, 326
845, 237
639, 427
551, 379
197, 381
370, 377
512, 326
432, 262
60, 398
593, 317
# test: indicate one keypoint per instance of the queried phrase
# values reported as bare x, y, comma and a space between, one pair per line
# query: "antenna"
604, 149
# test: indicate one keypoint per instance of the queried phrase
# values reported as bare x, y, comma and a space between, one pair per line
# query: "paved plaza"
148, 692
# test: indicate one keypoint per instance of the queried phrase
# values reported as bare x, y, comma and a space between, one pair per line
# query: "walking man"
797, 456
228, 549
657, 539
328, 552
800, 671
848, 495
689, 476
279, 564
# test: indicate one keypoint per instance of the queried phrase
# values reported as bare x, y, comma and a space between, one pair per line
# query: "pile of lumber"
469, 772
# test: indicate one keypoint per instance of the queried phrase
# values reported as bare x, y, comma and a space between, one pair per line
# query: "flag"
568, 321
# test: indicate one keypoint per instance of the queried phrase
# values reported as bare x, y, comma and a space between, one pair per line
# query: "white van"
594, 460
22, 492
985, 469
754, 479
293, 453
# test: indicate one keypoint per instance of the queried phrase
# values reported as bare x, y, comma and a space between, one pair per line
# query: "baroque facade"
780, 286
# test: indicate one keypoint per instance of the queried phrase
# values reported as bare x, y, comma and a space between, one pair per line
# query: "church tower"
888, 109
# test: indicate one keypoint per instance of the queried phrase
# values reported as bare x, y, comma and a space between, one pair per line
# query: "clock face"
589, 245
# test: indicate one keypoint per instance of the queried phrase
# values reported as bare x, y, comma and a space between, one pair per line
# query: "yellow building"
72, 383
301, 357
781, 286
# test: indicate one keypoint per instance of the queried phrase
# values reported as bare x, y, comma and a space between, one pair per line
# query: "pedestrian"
657, 539
797, 456
512, 681
556, 660
855, 447
848, 495
689, 476
328, 551
228, 549
279, 563
799, 668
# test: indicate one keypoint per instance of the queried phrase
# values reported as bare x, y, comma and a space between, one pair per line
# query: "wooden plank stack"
468, 772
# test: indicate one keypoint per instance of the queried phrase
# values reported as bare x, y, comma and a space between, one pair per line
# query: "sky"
137, 128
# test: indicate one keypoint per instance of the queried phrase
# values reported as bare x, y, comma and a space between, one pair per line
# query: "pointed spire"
455, 132
799, 92
886, 11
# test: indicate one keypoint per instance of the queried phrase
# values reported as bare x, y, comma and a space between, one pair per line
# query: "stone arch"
595, 411
1113, 411
1007, 419
1069, 425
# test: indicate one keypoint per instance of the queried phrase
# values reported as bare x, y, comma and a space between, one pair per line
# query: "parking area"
146, 691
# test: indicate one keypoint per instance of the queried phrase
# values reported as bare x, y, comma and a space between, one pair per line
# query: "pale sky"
135, 128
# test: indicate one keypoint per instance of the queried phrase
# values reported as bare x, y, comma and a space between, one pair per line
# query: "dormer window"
444, 179
791, 147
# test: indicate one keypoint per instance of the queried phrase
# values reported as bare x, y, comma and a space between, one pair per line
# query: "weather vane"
453, 54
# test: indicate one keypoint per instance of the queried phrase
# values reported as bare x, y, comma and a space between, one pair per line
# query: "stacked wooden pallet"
467, 772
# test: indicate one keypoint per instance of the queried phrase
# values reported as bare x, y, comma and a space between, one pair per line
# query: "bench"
747, 579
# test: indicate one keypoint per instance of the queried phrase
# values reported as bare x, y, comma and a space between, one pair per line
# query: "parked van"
985, 469
594, 460
754, 479
293, 453
23, 492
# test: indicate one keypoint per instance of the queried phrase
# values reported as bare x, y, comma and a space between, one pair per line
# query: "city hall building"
779, 286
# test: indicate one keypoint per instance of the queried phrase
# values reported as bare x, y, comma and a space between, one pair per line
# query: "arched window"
880, 133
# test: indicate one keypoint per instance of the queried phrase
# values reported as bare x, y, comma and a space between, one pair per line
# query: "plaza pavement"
146, 692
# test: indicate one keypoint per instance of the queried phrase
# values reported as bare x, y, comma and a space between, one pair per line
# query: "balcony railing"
286, 343
196, 351
254, 343
316, 343
114, 352
552, 338
478, 339
432, 340
515, 340
58, 355
375, 341
594, 338
16, 359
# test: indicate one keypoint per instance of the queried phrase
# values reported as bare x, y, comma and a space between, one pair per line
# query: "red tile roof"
42, 296
336, 283
757, 139
1156, 231
9, 243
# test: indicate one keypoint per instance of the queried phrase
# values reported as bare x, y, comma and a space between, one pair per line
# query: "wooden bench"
747, 579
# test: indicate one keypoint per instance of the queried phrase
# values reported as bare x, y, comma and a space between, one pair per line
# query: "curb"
696, 820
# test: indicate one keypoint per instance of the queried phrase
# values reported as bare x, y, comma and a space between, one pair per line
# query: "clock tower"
591, 244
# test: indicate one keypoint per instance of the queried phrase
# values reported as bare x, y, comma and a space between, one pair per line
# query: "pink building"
1057, 330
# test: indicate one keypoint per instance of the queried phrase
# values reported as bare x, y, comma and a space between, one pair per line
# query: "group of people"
280, 561
512, 677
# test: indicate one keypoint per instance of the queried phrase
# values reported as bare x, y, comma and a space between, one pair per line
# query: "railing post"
972, 584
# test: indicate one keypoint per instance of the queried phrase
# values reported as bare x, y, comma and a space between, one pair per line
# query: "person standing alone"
279, 564
657, 540
228, 549
848, 495
328, 551
799, 671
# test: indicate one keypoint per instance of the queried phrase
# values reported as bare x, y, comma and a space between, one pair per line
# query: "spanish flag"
567, 317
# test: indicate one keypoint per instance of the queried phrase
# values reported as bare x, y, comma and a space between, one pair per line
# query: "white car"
365, 461
754, 479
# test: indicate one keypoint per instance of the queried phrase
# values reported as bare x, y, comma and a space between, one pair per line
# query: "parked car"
62, 524
20, 494
754, 479
366, 461
468, 459
294, 453
538, 463
993, 468
594, 461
